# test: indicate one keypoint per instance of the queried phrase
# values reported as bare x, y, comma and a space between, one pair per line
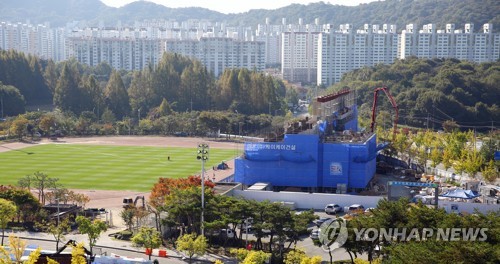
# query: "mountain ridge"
399, 12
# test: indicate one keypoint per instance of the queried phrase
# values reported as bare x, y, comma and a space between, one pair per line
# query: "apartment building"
121, 49
219, 53
344, 50
462, 44
299, 52
39, 40
271, 36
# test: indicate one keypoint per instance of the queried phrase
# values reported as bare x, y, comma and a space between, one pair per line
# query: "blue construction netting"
303, 161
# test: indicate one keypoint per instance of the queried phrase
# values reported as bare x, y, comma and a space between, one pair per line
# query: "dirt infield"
114, 199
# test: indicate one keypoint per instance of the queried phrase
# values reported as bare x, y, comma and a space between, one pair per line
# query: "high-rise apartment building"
461, 44
121, 49
39, 40
299, 52
271, 36
218, 53
307, 53
345, 50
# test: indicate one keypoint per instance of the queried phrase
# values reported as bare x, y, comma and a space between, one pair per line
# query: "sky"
234, 6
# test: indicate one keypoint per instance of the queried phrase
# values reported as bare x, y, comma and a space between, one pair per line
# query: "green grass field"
105, 167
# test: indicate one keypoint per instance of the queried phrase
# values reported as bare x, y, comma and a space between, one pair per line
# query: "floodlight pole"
203, 156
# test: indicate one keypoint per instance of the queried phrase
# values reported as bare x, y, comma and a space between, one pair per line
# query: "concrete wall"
463, 207
318, 201
309, 200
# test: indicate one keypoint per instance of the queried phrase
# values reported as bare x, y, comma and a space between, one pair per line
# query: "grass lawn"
105, 167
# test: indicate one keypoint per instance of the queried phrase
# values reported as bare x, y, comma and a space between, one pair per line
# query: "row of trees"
457, 150
163, 122
185, 83
405, 248
181, 199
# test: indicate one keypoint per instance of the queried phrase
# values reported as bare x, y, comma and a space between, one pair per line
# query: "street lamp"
203, 156
58, 211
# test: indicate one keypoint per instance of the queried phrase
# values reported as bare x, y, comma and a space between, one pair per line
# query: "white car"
355, 209
333, 209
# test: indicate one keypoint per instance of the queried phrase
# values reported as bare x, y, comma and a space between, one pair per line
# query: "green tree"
67, 93
149, 238
43, 182
92, 229
18, 126
59, 230
95, 96
490, 172
165, 108
11, 101
192, 245
7, 213
116, 96
108, 117
127, 216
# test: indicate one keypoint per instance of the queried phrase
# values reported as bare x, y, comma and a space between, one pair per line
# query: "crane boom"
374, 108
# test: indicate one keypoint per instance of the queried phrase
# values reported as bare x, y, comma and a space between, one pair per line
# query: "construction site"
323, 153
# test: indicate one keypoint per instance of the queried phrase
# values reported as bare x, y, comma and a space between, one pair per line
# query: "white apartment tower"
219, 53
345, 50
271, 36
299, 57
450, 43
121, 49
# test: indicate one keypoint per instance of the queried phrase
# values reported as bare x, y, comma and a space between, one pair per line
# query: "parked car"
333, 209
320, 221
314, 234
369, 209
229, 233
355, 208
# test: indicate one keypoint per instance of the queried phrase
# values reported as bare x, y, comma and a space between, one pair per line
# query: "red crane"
393, 103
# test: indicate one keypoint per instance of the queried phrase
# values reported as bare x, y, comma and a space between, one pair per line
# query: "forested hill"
432, 91
399, 12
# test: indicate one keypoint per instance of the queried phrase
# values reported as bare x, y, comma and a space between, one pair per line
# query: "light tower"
203, 156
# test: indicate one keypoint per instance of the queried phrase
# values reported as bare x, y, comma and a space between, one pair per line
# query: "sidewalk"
107, 245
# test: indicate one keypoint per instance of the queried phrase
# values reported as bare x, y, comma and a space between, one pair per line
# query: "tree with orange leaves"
165, 186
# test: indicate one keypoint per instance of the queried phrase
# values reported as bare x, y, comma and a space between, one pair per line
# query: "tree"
78, 254
192, 245
257, 257
116, 95
24, 201
92, 229
67, 93
298, 256
7, 211
11, 101
490, 172
42, 182
47, 123
148, 237
127, 216
19, 125
59, 230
